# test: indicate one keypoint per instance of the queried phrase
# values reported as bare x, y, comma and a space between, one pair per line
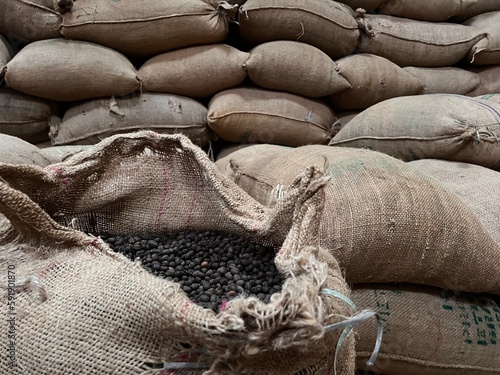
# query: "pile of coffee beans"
211, 267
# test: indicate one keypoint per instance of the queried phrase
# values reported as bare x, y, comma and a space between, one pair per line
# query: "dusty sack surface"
325, 24
71, 70
448, 80
373, 79
429, 330
25, 116
416, 43
486, 51
57, 154
437, 11
91, 121
148, 316
196, 72
14, 150
383, 214
295, 67
476, 186
250, 115
436, 126
182, 23
489, 77
28, 21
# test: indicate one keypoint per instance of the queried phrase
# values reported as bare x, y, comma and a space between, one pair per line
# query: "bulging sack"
91, 121
248, 115
489, 80
372, 79
295, 67
70, 70
14, 150
487, 50
72, 280
197, 72
368, 5
476, 186
6, 51
384, 221
416, 43
25, 116
445, 80
436, 126
27, 21
429, 331
425, 11
324, 24
151, 27
479, 7
57, 154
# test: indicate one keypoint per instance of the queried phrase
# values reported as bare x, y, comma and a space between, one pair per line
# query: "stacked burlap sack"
411, 240
81, 308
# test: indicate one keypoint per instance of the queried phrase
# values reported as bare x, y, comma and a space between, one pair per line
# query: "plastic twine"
348, 324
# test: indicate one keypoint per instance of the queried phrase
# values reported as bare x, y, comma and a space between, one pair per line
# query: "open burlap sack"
182, 23
489, 77
384, 221
197, 72
325, 24
251, 115
70, 70
373, 79
416, 43
25, 21
487, 50
448, 80
426, 11
90, 122
476, 186
6, 51
25, 116
429, 331
435, 126
97, 312
295, 67
14, 150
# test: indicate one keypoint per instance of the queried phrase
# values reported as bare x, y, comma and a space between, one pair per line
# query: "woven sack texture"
489, 80
196, 72
429, 331
182, 23
250, 115
325, 24
425, 11
487, 50
295, 67
70, 70
436, 126
91, 121
14, 150
382, 214
445, 80
97, 312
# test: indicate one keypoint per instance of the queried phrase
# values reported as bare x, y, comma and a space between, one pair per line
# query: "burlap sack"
429, 331
343, 119
25, 116
14, 150
6, 51
384, 221
476, 186
416, 43
426, 11
91, 121
325, 24
196, 72
448, 80
69, 70
487, 50
23, 21
489, 77
100, 313
57, 154
436, 126
150, 28
479, 7
368, 5
295, 67
373, 79
248, 115
490, 97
